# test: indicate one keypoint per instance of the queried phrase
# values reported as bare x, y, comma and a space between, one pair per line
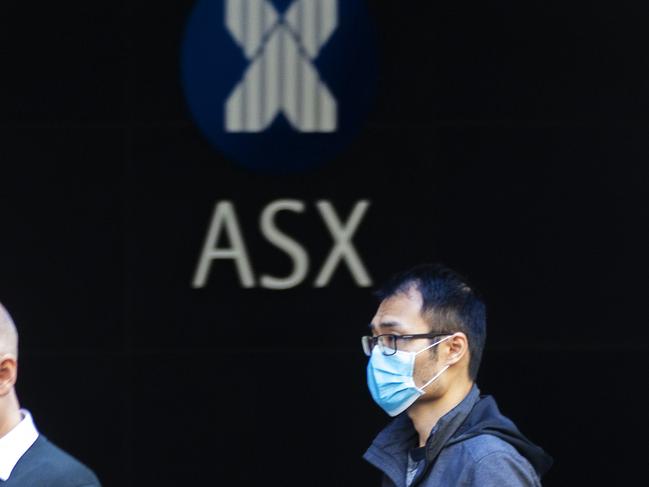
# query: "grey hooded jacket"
472, 445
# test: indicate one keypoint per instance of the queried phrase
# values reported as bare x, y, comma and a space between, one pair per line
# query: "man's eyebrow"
386, 324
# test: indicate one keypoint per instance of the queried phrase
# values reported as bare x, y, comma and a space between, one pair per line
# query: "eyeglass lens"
387, 344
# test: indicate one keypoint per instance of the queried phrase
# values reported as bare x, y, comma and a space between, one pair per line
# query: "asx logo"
225, 223
281, 76
279, 85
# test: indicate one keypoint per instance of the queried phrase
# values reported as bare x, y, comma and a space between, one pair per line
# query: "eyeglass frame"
367, 349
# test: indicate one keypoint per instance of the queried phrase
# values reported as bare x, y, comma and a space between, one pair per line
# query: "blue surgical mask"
390, 379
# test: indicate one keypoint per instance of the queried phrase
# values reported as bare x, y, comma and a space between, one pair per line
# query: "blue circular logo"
279, 85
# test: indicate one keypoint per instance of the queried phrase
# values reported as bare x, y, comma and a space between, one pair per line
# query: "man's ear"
458, 346
8, 373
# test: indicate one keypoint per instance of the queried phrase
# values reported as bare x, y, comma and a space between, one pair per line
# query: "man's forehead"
399, 310
409, 301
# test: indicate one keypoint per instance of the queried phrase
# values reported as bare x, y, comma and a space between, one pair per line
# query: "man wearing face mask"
427, 340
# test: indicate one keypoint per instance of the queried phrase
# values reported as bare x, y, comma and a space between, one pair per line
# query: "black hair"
449, 304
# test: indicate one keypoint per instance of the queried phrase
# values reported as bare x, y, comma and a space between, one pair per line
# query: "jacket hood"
485, 418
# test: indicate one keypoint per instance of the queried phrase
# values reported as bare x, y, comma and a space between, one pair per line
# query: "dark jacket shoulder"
46, 465
473, 444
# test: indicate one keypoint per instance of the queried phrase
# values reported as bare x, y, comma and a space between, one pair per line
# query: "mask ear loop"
436, 343
441, 371
434, 377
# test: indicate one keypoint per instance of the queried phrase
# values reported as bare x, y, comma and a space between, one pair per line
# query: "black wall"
508, 139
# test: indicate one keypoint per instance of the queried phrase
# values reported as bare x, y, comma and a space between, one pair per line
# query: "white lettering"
291, 247
224, 217
343, 249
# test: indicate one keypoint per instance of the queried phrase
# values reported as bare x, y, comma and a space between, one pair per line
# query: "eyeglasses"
388, 343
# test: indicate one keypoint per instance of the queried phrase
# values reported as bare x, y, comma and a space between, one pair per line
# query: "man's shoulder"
44, 460
480, 446
489, 460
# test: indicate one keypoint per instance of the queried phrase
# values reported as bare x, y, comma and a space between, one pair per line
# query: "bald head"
8, 334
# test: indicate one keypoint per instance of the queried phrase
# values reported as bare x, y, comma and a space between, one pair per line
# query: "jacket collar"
449, 424
389, 450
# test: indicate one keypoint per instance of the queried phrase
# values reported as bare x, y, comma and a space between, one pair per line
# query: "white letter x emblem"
281, 76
